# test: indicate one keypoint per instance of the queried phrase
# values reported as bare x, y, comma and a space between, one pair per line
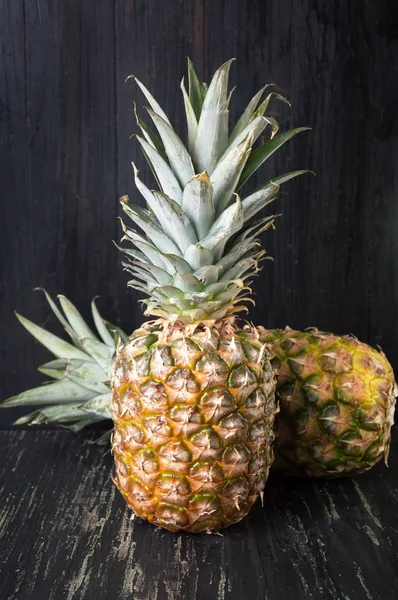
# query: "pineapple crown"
197, 245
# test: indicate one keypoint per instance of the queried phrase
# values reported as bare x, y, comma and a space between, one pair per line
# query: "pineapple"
193, 394
71, 402
337, 400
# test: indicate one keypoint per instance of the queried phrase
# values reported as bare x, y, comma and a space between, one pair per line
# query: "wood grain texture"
66, 534
66, 120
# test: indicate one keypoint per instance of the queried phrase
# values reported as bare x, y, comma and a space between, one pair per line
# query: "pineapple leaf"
192, 122
237, 252
146, 280
196, 315
198, 256
117, 333
230, 294
56, 345
229, 222
175, 222
256, 127
58, 313
141, 187
55, 414
187, 282
175, 264
144, 245
94, 386
241, 267
247, 114
168, 291
68, 328
140, 286
208, 274
100, 325
228, 172
230, 95
101, 353
165, 176
251, 232
178, 156
132, 254
197, 91
282, 178
257, 201
212, 136
154, 104
75, 319
159, 274
261, 154
211, 306
156, 235
150, 135
264, 105
51, 371
89, 371
61, 392
266, 193
100, 405
197, 203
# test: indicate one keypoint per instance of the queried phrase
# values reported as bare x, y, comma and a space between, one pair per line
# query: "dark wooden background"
66, 117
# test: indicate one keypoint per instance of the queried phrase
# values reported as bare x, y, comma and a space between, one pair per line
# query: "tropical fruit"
337, 401
72, 402
193, 394
193, 420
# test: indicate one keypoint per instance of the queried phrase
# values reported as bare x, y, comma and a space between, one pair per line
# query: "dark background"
66, 117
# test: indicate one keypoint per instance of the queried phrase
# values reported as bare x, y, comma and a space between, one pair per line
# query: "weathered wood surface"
65, 122
65, 534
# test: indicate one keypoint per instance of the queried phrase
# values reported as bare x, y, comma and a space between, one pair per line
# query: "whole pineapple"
80, 394
193, 413
193, 395
337, 400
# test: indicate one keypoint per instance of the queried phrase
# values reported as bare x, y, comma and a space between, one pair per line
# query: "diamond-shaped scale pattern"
193, 425
336, 398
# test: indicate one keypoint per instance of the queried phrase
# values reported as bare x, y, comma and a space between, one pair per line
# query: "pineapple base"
193, 411
337, 401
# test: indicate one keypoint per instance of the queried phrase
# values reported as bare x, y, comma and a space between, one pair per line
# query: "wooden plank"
66, 222
153, 42
16, 208
380, 60
70, 86
65, 533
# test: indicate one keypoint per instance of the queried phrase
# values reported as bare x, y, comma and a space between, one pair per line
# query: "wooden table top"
66, 534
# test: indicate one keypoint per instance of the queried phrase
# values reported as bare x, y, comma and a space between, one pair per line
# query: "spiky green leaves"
198, 204
80, 394
261, 154
195, 230
197, 90
212, 135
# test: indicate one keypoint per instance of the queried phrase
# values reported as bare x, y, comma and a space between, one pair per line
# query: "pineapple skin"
193, 425
337, 401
